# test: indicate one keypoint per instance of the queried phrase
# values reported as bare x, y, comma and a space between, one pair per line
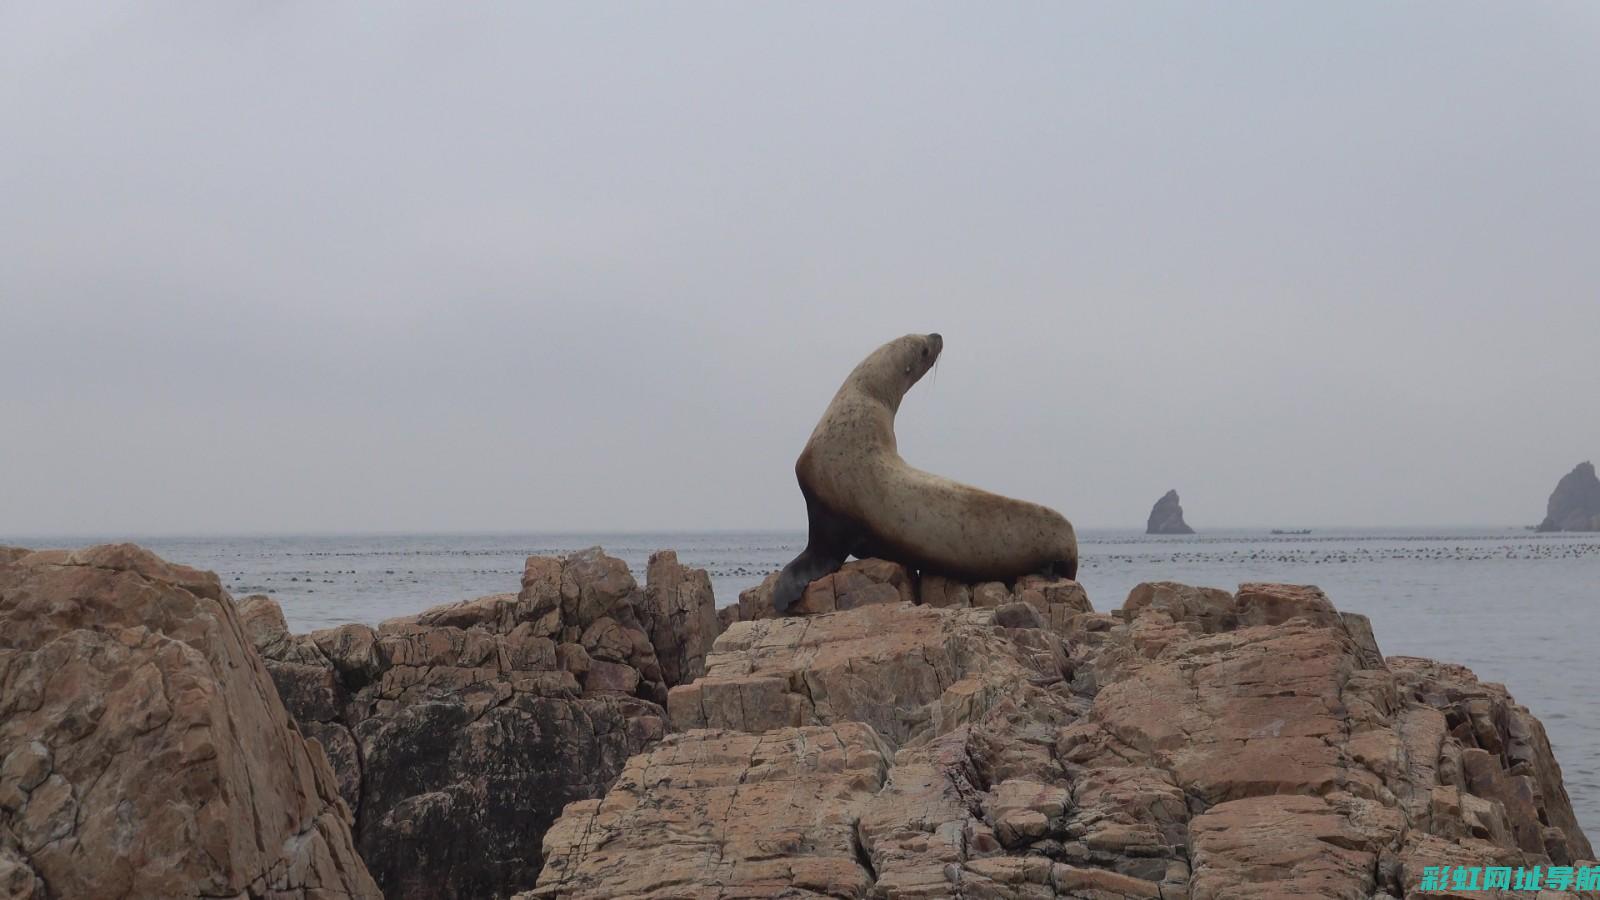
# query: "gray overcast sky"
327, 267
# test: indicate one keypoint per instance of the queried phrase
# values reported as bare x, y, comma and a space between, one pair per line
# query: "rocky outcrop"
1166, 517
143, 750
1575, 503
909, 671
860, 582
864, 582
460, 733
1196, 743
910, 738
680, 616
765, 814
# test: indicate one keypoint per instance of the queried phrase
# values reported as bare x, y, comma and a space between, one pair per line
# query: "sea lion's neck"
865, 418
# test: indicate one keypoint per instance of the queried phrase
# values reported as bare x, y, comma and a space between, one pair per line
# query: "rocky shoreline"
587, 737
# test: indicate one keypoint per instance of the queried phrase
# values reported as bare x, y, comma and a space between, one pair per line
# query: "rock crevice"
485, 717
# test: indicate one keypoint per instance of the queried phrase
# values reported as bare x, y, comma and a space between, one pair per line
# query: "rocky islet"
1166, 517
1575, 503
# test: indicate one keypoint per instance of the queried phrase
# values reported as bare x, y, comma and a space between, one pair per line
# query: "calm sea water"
1516, 607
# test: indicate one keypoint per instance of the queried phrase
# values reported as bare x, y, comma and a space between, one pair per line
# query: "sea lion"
863, 499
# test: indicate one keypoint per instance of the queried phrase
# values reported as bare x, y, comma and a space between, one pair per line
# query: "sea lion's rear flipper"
830, 540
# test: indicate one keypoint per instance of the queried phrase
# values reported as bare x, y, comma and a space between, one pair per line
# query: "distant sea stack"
1166, 517
1574, 504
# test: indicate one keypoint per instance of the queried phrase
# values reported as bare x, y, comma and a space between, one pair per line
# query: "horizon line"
6, 537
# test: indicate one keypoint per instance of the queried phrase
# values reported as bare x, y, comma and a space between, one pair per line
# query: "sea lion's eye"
924, 351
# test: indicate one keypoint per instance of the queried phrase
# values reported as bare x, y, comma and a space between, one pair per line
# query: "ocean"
1517, 607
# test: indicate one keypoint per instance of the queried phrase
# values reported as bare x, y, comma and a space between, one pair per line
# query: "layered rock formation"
1196, 743
143, 750
460, 733
1166, 517
1575, 503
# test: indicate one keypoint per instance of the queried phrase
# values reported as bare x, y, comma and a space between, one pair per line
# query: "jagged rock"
860, 582
460, 733
1059, 601
1575, 503
1194, 744
1166, 517
680, 615
864, 582
143, 750
1504, 755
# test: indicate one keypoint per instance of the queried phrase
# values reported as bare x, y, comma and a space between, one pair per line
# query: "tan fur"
852, 466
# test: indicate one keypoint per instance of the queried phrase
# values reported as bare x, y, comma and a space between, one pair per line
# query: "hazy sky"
328, 267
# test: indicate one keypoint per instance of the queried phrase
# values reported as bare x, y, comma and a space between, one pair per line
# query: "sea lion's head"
892, 369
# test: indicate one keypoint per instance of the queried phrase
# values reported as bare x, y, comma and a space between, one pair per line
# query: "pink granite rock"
143, 749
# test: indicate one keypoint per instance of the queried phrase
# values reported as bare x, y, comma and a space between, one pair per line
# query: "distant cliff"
1575, 503
1166, 517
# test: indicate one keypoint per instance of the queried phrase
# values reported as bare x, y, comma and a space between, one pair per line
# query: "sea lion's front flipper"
830, 540
1064, 568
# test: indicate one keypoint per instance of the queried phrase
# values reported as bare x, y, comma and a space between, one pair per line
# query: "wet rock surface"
458, 734
1575, 503
1166, 517
143, 750
1197, 743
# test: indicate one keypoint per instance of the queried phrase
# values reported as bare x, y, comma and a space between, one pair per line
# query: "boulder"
143, 750
1575, 503
1212, 609
859, 582
864, 582
1197, 743
458, 734
1166, 517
